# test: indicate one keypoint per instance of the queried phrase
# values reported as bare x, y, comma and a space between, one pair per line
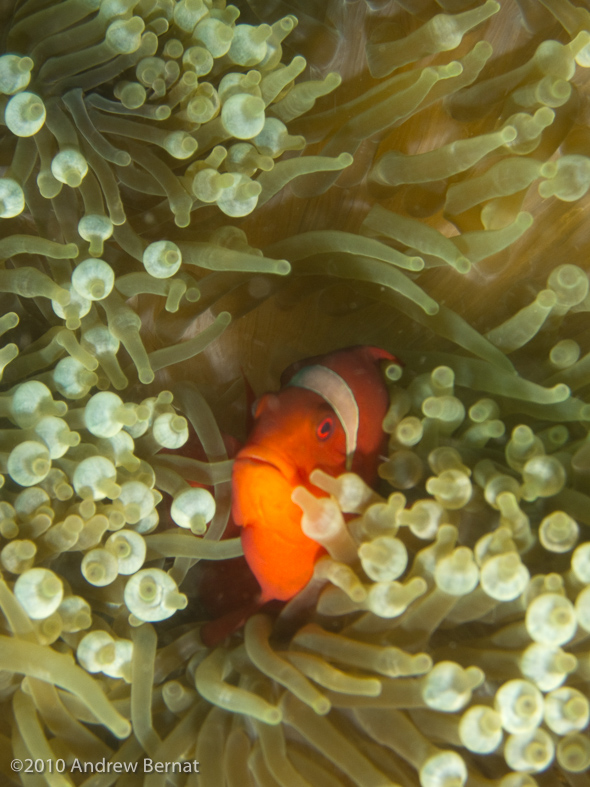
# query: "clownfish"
328, 415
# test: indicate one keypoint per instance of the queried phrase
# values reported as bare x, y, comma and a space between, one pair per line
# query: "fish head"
352, 381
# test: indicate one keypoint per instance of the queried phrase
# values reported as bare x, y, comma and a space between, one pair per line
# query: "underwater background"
194, 195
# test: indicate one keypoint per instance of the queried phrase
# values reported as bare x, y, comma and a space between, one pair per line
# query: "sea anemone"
191, 192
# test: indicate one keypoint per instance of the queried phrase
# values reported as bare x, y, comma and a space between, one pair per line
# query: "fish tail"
214, 632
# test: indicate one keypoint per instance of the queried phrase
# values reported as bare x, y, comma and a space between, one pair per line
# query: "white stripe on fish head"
337, 393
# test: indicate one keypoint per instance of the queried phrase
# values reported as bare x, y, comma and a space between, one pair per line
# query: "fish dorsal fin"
337, 393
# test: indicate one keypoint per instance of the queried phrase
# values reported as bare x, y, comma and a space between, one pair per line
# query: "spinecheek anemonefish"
328, 414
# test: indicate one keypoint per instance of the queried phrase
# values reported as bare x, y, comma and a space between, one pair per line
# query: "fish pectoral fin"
282, 562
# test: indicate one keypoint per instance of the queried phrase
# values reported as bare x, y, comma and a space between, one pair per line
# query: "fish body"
328, 415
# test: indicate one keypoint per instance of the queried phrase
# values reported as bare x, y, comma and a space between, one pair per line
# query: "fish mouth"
262, 455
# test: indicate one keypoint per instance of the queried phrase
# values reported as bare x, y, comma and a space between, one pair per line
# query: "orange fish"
327, 415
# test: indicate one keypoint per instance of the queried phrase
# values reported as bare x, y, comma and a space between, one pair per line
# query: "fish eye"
325, 429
